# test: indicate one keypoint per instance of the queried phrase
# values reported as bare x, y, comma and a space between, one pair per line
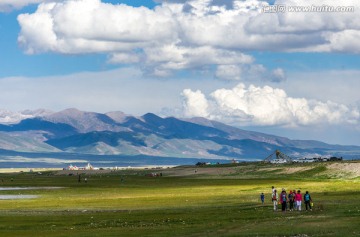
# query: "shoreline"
29, 170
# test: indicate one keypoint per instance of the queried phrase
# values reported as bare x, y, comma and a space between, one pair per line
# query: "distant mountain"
112, 134
240, 134
84, 121
117, 116
25, 142
49, 129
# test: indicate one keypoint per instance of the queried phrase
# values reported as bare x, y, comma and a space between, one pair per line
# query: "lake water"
11, 197
20, 196
25, 188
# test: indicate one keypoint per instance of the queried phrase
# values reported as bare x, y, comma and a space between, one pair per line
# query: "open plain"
222, 200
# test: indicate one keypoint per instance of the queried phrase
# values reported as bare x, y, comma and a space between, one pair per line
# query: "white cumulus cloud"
193, 34
253, 105
195, 103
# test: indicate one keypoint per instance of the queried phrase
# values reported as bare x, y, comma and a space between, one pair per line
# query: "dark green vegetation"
216, 201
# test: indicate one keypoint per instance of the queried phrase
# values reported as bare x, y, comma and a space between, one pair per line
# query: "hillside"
255, 170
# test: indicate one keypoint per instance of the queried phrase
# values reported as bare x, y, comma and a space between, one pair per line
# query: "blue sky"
289, 74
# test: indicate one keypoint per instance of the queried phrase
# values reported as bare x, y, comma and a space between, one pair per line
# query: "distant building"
335, 158
89, 167
317, 159
280, 158
72, 167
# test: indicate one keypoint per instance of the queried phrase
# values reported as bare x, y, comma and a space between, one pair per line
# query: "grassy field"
216, 201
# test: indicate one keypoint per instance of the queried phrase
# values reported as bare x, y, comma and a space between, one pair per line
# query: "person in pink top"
298, 199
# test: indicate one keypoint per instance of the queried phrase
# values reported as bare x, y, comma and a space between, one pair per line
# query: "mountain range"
116, 134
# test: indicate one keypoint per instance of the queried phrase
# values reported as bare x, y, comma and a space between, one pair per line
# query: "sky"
290, 68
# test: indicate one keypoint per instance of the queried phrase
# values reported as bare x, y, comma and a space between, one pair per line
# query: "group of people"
289, 201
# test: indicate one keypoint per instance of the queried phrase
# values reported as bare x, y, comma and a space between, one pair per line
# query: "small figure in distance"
283, 200
298, 199
294, 194
291, 200
307, 200
262, 198
274, 199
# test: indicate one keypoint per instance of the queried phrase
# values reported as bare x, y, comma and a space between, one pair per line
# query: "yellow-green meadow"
185, 201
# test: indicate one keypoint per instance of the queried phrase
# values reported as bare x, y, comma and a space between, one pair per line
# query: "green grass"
203, 205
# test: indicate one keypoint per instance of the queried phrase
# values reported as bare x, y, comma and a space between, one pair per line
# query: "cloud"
104, 27
124, 58
172, 57
344, 41
196, 104
249, 72
278, 75
194, 34
9, 5
229, 72
266, 106
129, 34
90, 26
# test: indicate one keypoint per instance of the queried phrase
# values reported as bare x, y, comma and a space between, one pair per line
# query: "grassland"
213, 201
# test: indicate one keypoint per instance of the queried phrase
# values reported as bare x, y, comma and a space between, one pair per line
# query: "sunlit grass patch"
129, 203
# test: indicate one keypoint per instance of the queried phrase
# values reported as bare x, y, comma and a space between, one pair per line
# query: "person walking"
291, 198
294, 194
307, 200
298, 199
283, 200
262, 198
274, 199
